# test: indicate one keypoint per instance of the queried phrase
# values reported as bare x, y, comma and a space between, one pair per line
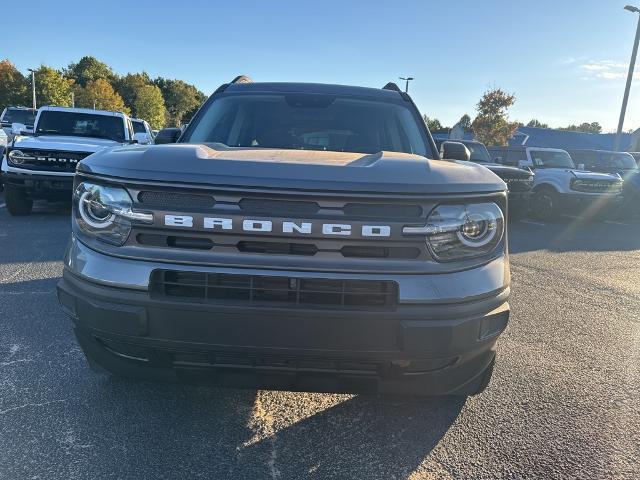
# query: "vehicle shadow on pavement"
362, 437
574, 235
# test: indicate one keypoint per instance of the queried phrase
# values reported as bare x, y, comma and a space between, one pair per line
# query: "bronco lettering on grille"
257, 225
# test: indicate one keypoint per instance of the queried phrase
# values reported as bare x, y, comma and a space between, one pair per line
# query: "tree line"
90, 83
492, 125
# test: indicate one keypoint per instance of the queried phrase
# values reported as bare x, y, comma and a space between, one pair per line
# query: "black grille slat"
173, 200
278, 207
203, 287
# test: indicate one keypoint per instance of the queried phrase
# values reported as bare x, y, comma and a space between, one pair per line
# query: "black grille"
382, 211
255, 290
171, 200
278, 207
48, 160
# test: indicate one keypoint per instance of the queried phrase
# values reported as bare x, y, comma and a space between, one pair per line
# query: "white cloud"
605, 69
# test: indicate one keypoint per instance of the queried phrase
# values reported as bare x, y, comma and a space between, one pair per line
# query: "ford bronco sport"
298, 237
42, 166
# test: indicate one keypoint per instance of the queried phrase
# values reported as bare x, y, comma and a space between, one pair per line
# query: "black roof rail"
238, 79
242, 79
392, 86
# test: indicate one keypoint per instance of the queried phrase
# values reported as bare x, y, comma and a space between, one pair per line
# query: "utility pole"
407, 80
73, 100
94, 103
627, 88
33, 86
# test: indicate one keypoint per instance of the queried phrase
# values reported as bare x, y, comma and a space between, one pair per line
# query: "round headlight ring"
93, 212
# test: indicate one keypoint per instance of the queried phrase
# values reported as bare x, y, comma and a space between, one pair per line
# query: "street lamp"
406, 79
627, 88
33, 86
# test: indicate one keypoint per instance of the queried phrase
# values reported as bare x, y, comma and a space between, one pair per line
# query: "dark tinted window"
586, 158
81, 125
138, 127
17, 115
478, 152
617, 160
311, 122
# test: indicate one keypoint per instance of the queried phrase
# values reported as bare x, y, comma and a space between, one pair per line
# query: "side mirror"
168, 135
455, 151
141, 138
18, 128
581, 166
526, 165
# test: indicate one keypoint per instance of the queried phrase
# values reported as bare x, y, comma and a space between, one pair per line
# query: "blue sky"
565, 60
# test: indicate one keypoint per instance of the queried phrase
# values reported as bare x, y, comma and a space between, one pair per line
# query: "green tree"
537, 124
149, 105
593, 127
181, 99
128, 87
432, 123
100, 93
465, 121
492, 126
13, 85
89, 69
52, 88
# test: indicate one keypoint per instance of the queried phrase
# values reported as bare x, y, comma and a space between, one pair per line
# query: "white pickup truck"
559, 186
42, 165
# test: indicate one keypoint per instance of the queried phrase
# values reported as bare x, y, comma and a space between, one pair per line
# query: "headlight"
105, 212
456, 232
18, 157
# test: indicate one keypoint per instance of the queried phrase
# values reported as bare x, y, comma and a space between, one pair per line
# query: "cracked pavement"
563, 403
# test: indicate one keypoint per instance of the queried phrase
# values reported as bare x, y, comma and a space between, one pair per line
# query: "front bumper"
41, 185
587, 201
423, 346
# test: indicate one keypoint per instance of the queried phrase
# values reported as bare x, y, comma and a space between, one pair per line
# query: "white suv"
42, 165
558, 185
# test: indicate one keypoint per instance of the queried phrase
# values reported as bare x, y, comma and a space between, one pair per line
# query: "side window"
588, 159
498, 156
513, 157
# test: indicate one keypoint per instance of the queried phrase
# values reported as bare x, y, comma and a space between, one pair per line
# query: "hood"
61, 142
385, 172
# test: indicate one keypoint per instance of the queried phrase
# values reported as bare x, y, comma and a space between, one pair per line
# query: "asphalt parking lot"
563, 403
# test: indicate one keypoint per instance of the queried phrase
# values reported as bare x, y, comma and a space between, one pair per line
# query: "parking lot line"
532, 222
613, 222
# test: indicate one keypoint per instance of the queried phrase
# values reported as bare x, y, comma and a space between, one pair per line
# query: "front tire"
18, 202
545, 204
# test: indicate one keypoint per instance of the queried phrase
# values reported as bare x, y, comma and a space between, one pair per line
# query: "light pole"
33, 86
627, 88
406, 86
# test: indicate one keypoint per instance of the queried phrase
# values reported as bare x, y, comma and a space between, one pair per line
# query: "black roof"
312, 88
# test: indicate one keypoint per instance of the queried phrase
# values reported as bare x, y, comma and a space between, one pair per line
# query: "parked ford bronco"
297, 236
558, 186
519, 181
43, 165
617, 163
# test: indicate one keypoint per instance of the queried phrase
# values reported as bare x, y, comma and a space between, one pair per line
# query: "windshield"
551, 159
310, 122
138, 127
479, 152
618, 161
19, 115
81, 125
